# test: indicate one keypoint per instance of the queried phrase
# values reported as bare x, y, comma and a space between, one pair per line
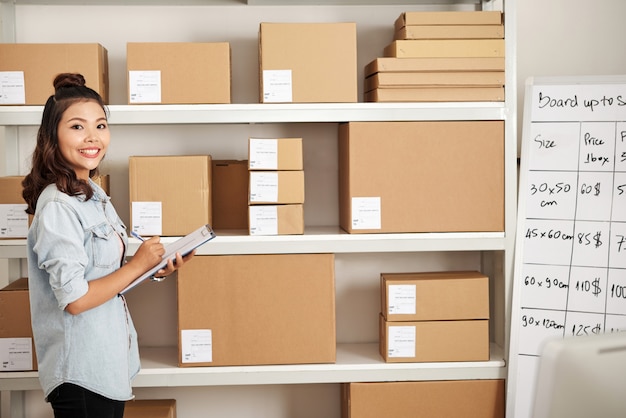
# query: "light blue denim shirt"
70, 242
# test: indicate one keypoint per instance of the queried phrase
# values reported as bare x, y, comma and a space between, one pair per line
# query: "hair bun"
68, 80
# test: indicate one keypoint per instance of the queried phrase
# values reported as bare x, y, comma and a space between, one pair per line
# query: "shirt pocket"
105, 246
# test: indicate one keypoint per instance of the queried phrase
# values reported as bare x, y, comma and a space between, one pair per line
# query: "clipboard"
184, 246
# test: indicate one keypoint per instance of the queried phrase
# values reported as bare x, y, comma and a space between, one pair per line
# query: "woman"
85, 340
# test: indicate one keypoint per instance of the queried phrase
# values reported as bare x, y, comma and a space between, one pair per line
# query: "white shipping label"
147, 218
144, 86
277, 86
264, 187
402, 299
13, 220
263, 154
12, 90
16, 354
401, 341
264, 220
196, 345
366, 213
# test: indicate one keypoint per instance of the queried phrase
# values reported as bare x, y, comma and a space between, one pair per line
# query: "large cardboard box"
276, 219
275, 154
14, 220
29, 69
169, 195
17, 349
282, 187
434, 296
256, 309
229, 202
150, 408
308, 63
434, 341
443, 176
178, 72
432, 399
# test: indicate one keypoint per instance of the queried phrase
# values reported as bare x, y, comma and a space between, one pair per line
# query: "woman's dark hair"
48, 164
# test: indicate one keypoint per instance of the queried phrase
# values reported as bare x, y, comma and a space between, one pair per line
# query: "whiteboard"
570, 255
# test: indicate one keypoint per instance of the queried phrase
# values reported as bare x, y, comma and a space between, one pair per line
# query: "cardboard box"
276, 220
178, 72
427, 399
436, 94
33, 67
282, 187
434, 296
169, 195
275, 154
434, 341
307, 63
14, 220
439, 176
445, 48
150, 408
17, 349
103, 181
256, 309
486, 17
442, 64
434, 79
229, 202
450, 32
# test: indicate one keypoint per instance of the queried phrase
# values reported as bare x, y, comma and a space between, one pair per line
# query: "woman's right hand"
149, 253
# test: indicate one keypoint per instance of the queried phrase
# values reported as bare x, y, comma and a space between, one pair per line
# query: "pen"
136, 235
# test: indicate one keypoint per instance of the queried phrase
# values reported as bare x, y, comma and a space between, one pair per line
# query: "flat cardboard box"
434, 341
188, 72
275, 154
238, 310
436, 94
182, 186
308, 63
484, 17
434, 296
432, 48
435, 79
390, 64
150, 408
14, 221
276, 219
41, 63
281, 187
17, 349
432, 176
426, 399
450, 32
229, 203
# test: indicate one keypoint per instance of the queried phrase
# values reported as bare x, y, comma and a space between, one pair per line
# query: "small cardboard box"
483, 17
434, 296
150, 408
445, 64
30, 69
434, 341
169, 195
428, 399
282, 187
178, 72
428, 48
308, 63
256, 309
450, 32
17, 349
14, 220
439, 176
276, 220
229, 192
275, 154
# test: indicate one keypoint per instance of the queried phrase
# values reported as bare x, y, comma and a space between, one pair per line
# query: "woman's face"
84, 136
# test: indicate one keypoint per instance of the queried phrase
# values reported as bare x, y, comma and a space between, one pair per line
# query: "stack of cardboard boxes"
276, 194
440, 56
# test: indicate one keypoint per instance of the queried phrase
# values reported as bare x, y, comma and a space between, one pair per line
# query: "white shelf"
238, 2
355, 363
273, 113
319, 240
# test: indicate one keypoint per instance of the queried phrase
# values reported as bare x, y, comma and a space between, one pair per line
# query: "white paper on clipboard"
184, 246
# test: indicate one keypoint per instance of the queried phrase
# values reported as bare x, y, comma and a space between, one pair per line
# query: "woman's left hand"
173, 265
